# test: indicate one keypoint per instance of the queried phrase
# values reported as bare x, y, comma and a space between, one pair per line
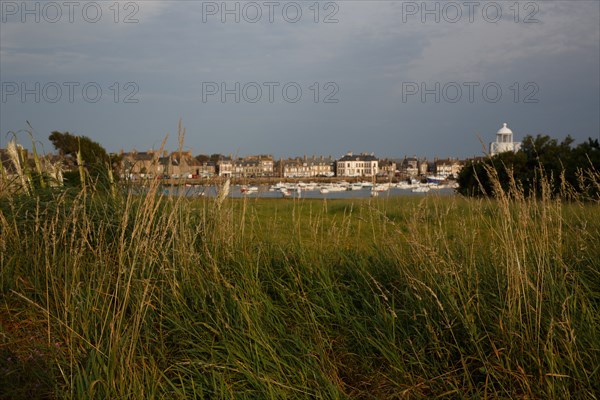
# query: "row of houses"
184, 165
148, 164
153, 163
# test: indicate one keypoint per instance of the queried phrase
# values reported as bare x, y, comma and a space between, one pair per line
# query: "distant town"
148, 164
183, 165
177, 165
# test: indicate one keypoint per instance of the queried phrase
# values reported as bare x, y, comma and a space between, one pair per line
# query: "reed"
124, 295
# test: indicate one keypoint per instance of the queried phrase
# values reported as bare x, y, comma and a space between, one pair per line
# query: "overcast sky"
292, 78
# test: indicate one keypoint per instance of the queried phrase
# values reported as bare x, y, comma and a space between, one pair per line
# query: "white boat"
403, 185
421, 189
277, 186
324, 190
337, 188
249, 189
436, 179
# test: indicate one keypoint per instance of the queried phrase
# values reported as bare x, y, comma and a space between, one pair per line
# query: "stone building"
449, 167
362, 164
259, 166
305, 167
141, 164
225, 166
387, 168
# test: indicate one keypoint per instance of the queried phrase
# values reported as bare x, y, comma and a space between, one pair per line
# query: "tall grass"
119, 295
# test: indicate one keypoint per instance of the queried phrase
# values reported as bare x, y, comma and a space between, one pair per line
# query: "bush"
566, 170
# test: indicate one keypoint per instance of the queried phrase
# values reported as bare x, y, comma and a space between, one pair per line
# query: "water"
263, 192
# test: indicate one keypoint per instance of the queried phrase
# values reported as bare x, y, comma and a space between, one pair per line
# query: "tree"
91, 152
94, 157
541, 159
202, 158
216, 157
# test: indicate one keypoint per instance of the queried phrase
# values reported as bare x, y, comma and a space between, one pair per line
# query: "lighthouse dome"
504, 130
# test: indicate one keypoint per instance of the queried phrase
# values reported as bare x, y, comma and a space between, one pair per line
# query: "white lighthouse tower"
504, 141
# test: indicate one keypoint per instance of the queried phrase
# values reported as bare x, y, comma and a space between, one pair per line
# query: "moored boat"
421, 189
248, 189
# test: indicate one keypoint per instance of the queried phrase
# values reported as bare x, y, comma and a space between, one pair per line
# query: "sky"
394, 78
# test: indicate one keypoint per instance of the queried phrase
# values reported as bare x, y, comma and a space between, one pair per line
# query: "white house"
448, 167
357, 165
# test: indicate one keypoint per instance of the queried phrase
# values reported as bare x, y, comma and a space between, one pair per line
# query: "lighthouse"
504, 141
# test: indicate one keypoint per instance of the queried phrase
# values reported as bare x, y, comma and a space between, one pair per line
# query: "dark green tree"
68, 145
202, 158
541, 159
95, 159
216, 157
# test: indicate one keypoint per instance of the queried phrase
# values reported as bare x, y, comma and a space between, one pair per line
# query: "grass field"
115, 297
